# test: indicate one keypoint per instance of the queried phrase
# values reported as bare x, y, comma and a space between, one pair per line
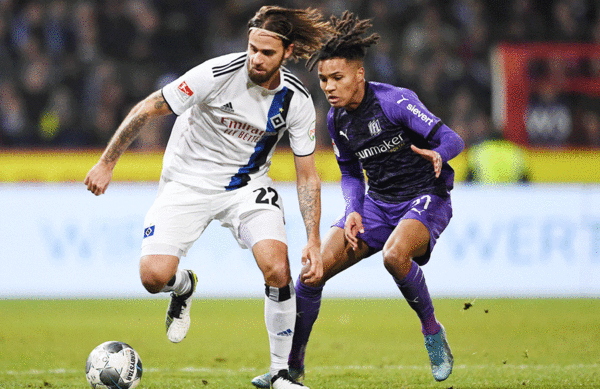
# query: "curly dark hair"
305, 28
347, 41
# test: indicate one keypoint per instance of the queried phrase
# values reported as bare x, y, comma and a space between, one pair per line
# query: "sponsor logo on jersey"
148, 231
374, 127
416, 111
235, 125
244, 131
387, 146
227, 107
185, 90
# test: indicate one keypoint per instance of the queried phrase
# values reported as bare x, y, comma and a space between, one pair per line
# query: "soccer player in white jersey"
232, 111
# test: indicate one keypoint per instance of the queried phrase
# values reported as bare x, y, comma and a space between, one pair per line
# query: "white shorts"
181, 213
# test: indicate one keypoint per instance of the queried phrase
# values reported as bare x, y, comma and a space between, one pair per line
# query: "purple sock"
414, 289
308, 303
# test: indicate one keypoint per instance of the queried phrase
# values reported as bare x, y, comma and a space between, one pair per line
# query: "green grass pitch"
356, 343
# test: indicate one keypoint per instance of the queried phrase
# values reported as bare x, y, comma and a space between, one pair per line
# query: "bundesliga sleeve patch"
185, 91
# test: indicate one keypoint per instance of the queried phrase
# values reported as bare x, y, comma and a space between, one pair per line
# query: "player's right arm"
353, 182
353, 189
352, 227
100, 175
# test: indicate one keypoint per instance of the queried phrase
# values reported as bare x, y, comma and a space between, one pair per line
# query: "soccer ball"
113, 365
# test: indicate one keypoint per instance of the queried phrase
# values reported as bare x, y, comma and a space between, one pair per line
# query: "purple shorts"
380, 218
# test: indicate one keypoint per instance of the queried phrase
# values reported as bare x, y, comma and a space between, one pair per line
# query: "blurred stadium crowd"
71, 69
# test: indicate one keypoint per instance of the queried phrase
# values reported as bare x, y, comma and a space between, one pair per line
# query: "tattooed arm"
309, 198
100, 175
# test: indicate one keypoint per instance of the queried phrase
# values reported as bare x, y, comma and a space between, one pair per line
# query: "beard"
261, 78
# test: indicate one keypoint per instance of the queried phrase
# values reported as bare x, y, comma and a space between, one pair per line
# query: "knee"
277, 274
396, 260
153, 281
154, 278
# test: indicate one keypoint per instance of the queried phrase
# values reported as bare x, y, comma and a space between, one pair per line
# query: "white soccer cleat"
178, 314
283, 380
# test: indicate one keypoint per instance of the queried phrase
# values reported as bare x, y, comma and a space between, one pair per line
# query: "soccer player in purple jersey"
404, 149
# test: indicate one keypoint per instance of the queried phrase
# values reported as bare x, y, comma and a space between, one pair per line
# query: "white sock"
280, 318
181, 285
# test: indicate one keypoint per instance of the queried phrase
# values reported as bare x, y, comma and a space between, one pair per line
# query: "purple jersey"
379, 133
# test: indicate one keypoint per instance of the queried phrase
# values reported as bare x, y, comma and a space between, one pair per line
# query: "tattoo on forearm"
310, 206
160, 101
123, 138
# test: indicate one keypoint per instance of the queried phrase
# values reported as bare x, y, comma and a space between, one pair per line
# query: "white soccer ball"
113, 365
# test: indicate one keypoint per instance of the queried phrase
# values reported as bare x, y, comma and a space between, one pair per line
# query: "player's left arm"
353, 189
406, 109
446, 144
309, 199
301, 120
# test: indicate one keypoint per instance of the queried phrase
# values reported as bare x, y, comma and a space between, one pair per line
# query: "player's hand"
432, 156
98, 178
312, 264
352, 227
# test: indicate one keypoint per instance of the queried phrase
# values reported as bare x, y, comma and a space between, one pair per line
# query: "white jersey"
228, 126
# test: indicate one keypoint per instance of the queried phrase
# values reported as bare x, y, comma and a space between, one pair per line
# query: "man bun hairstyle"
305, 28
347, 41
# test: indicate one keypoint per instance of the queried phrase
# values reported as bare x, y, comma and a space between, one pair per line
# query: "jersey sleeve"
352, 181
353, 186
302, 128
403, 107
190, 89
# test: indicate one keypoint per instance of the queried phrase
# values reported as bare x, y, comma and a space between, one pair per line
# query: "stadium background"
71, 70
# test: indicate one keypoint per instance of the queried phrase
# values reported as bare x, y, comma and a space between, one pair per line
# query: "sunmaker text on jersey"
385, 147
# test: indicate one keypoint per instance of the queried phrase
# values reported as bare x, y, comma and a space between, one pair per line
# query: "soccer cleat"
178, 314
439, 354
283, 380
264, 381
